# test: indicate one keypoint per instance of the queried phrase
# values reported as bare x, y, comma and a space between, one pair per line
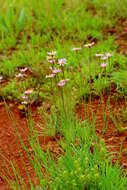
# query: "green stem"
63, 72
90, 59
62, 95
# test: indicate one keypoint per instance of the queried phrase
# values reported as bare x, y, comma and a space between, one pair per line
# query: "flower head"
50, 76
50, 59
89, 45
24, 103
55, 71
29, 91
62, 61
61, 83
99, 55
19, 75
104, 57
24, 97
103, 65
23, 70
76, 48
109, 54
52, 53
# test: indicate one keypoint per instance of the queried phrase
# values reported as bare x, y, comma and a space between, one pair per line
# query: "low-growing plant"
11, 25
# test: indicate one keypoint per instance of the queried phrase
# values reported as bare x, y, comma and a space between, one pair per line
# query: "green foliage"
79, 169
20, 22
9, 22
11, 91
100, 85
120, 79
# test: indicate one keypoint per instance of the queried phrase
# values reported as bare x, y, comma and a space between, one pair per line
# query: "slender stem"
62, 95
90, 59
52, 87
63, 72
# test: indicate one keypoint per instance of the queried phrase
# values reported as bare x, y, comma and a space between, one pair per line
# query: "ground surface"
10, 145
113, 138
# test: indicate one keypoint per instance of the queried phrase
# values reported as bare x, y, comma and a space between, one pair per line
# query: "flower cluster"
55, 70
51, 57
103, 57
22, 72
89, 45
25, 97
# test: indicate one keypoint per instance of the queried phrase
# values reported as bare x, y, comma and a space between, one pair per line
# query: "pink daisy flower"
103, 65
29, 91
55, 71
62, 83
50, 76
62, 61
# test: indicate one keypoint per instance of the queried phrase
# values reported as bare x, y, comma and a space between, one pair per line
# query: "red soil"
10, 146
121, 36
113, 138
119, 31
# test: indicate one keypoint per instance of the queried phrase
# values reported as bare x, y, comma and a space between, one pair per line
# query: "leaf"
21, 21
10, 15
4, 25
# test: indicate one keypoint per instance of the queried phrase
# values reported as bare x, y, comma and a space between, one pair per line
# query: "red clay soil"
119, 31
121, 36
11, 148
112, 138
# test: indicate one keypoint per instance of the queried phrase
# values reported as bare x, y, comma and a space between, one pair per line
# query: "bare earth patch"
100, 112
10, 146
